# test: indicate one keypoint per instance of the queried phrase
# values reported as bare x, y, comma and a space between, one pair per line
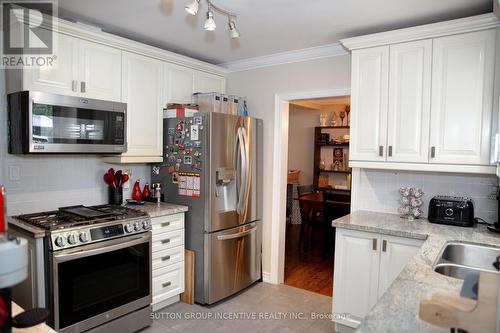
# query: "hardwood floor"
308, 270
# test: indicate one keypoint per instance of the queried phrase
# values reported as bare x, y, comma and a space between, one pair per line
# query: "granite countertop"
161, 209
398, 308
40, 328
31, 229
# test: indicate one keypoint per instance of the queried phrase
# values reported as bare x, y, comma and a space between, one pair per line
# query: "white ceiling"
322, 103
266, 26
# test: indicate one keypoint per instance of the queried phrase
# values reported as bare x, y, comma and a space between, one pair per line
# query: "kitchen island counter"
398, 308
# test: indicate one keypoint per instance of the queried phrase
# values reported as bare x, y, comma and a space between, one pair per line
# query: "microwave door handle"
82, 252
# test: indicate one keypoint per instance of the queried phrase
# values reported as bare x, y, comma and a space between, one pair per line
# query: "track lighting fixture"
210, 22
233, 32
192, 7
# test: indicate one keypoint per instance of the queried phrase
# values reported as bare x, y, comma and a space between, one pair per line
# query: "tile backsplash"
378, 190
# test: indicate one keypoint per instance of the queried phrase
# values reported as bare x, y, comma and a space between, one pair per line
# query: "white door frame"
280, 161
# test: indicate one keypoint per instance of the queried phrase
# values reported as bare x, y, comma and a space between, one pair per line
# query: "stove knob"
60, 241
72, 239
83, 237
137, 226
145, 225
129, 228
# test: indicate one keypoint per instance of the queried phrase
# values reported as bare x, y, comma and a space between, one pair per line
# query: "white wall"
260, 86
378, 190
301, 141
51, 181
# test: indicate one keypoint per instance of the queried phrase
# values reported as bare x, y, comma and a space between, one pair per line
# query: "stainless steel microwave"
50, 123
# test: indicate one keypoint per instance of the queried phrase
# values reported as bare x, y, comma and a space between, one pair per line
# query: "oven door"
99, 282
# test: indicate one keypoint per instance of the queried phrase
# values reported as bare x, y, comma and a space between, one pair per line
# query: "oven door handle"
86, 252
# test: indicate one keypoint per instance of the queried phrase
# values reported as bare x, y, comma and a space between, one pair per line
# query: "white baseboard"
266, 277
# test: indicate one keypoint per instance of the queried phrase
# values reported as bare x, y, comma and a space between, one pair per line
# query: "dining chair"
334, 207
305, 189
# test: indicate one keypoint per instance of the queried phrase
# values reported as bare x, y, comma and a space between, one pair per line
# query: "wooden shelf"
343, 144
334, 127
333, 171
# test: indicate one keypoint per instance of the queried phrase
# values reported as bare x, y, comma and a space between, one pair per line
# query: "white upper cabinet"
181, 83
82, 68
207, 83
100, 71
369, 82
60, 78
422, 97
462, 85
409, 101
145, 103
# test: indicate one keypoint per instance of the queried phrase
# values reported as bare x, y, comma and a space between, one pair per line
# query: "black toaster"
450, 210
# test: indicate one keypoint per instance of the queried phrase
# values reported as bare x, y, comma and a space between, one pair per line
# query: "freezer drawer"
234, 260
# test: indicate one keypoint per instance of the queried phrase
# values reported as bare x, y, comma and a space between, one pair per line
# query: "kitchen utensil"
118, 178
125, 178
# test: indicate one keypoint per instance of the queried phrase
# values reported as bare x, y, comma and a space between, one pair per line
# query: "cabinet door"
394, 255
100, 71
143, 91
461, 105
356, 270
370, 71
207, 83
180, 84
409, 102
60, 78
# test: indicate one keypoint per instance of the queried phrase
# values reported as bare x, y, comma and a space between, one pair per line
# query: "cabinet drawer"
166, 240
167, 223
167, 257
169, 282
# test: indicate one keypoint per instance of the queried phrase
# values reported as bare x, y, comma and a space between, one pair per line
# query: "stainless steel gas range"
97, 267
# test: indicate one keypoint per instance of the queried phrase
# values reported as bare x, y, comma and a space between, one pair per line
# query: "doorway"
318, 189
280, 168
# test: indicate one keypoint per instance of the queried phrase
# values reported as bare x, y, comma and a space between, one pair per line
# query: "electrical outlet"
14, 173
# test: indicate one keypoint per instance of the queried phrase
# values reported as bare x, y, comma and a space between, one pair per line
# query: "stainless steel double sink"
459, 259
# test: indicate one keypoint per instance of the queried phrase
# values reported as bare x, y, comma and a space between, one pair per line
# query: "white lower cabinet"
365, 266
167, 259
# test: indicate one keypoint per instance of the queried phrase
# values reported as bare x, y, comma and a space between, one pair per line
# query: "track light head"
233, 32
192, 7
210, 22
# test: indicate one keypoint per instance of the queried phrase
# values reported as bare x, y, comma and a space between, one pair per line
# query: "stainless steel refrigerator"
213, 164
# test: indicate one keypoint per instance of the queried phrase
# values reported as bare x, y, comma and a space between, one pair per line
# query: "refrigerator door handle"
237, 235
241, 172
246, 171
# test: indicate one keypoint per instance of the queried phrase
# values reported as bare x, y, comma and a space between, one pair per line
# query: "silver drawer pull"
165, 258
166, 224
82, 86
165, 241
166, 284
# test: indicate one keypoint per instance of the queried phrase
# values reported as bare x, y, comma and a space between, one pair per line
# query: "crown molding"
93, 34
459, 26
312, 53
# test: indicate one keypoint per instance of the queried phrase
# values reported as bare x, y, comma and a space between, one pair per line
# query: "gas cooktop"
76, 216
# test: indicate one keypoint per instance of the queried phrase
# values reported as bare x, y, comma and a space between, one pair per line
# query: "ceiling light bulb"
210, 22
192, 7
233, 32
